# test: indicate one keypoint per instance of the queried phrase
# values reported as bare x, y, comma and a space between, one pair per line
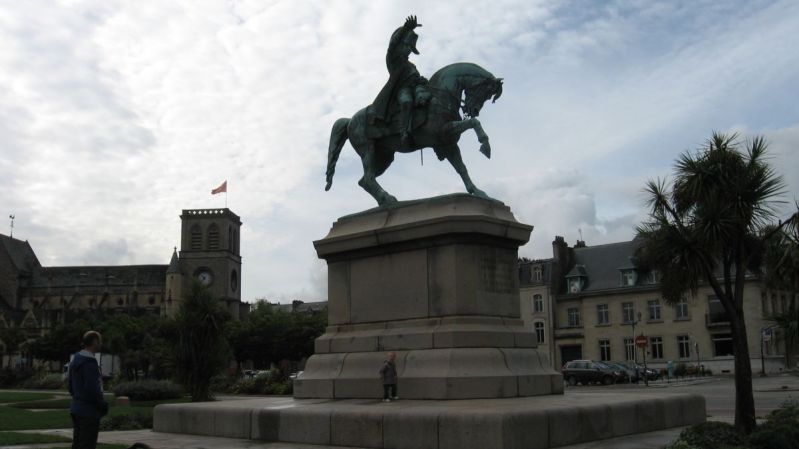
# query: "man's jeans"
84, 432
389, 388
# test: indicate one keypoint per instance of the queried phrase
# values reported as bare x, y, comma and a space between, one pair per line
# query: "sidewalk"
157, 440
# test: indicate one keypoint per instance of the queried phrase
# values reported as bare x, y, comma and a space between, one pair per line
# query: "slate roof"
20, 253
577, 271
174, 263
601, 263
526, 272
99, 276
307, 307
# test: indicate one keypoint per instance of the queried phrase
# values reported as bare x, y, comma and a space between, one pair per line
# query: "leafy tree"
268, 335
781, 266
709, 225
12, 338
60, 343
202, 350
138, 340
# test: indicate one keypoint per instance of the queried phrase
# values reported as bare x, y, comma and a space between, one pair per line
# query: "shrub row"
148, 390
267, 383
132, 421
780, 431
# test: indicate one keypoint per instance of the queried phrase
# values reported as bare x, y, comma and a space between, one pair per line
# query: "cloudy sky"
115, 115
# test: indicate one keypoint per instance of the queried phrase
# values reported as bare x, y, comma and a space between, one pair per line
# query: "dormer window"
537, 273
576, 279
628, 278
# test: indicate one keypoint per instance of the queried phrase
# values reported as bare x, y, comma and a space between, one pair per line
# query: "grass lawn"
49, 404
13, 418
15, 438
13, 396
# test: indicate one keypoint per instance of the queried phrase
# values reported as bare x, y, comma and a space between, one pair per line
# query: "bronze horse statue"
460, 86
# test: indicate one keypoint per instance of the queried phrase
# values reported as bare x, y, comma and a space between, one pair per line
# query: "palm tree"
710, 225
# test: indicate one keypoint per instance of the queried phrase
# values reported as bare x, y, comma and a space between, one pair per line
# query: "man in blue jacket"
88, 404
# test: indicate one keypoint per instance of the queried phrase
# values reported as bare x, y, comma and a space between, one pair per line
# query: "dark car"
587, 372
628, 373
651, 374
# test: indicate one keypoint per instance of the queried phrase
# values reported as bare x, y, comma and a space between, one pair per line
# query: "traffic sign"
640, 341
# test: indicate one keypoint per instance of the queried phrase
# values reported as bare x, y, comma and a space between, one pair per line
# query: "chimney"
580, 244
560, 263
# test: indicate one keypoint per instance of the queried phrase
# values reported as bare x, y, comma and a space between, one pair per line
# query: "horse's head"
478, 93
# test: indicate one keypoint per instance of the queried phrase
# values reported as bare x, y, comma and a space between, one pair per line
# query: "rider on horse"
405, 85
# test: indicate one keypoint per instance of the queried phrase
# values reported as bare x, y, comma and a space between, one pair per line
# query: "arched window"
196, 237
213, 236
539, 331
230, 239
538, 303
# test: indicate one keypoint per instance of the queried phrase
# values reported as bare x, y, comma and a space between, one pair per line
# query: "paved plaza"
770, 392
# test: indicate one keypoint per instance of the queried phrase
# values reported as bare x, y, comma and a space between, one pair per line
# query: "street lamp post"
646, 373
633, 322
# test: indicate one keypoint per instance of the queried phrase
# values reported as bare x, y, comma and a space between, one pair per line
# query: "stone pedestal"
436, 281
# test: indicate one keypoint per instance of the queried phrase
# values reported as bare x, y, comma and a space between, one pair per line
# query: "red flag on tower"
220, 189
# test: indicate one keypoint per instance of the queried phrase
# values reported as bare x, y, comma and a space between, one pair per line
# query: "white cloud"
114, 116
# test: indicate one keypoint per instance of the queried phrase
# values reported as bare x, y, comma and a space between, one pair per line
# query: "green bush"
12, 377
680, 370
712, 435
781, 429
131, 421
679, 444
269, 383
53, 381
147, 390
222, 383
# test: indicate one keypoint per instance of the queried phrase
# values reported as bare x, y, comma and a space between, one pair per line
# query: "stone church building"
36, 298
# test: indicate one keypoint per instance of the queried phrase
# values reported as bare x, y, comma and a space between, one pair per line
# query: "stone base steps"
513, 423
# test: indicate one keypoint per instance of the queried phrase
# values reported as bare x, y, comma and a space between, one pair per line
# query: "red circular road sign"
640, 341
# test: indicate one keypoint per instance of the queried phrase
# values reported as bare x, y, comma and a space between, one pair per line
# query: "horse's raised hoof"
479, 193
486, 149
387, 200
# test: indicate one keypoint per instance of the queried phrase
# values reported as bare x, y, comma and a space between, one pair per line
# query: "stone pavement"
159, 440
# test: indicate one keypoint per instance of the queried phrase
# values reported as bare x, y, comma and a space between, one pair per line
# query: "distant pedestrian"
88, 404
388, 374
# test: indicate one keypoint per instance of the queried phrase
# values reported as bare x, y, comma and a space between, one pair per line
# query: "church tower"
209, 254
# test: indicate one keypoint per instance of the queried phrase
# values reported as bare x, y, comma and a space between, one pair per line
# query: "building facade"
600, 300
536, 302
37, 298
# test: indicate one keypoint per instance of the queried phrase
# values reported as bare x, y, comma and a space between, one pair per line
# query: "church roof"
174, 263
20, 252
99, 276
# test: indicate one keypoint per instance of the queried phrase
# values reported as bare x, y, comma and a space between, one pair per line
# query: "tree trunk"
744, 396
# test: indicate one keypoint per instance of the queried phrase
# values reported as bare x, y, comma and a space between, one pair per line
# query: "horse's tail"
337, 138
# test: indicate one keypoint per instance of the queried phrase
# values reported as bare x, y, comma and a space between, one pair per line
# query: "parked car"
651, 374
628, 374
587, 372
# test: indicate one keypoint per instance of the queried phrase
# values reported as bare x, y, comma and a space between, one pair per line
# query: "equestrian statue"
411, 113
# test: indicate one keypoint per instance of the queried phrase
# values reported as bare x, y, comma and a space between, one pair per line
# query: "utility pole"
12, 217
